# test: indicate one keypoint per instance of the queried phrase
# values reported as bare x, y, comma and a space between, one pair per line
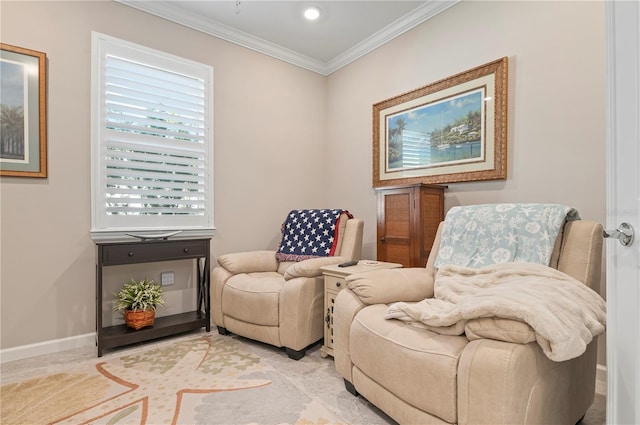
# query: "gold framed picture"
23, 117
452, 130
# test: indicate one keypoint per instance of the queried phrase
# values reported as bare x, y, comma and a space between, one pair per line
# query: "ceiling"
345, 31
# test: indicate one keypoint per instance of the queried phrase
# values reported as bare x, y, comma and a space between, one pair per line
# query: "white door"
623, 205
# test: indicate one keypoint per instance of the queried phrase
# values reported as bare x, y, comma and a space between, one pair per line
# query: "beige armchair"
278, 302
493, 373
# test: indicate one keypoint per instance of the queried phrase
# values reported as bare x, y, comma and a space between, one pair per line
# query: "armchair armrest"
391, 285
249, 262
521, 384
311, 267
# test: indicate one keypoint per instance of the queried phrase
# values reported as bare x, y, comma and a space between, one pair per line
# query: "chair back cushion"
581, 252
350, 239
340, 231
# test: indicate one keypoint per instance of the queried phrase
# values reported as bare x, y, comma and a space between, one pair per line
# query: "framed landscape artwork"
453, 130
23, 121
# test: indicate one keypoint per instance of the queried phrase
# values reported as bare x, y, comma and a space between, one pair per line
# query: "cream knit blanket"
564, 313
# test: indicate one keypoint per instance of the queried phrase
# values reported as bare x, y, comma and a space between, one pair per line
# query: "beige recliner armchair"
493, 373
278, 302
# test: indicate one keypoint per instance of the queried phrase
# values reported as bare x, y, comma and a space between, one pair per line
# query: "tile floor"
312, 374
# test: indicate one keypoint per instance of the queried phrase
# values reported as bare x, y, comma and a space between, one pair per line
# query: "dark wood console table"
119, 253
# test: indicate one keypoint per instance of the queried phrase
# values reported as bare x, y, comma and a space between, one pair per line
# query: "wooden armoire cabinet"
408, 218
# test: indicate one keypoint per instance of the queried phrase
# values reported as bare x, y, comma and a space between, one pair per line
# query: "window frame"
102, 226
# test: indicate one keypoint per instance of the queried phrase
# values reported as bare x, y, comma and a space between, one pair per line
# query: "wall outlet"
167, 278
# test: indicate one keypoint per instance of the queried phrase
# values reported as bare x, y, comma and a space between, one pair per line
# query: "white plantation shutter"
152, 158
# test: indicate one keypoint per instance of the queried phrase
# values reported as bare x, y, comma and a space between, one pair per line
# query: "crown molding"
174, 13
416, 17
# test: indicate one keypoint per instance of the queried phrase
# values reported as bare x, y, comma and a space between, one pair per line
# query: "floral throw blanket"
481, 235
310, 234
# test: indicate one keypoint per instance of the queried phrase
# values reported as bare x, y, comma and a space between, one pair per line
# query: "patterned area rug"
199, 380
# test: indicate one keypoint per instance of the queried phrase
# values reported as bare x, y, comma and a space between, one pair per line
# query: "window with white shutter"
152, 141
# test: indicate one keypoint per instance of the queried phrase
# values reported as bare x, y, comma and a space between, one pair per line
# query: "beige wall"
287, 138
556, 114
269, 150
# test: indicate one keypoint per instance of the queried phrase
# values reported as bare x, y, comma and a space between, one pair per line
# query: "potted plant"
139, 301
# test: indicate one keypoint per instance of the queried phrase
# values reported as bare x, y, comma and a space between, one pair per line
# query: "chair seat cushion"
428, 376
253, 297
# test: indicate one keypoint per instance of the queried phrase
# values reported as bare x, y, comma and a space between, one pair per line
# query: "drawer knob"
185, 250
338, 284
131, 254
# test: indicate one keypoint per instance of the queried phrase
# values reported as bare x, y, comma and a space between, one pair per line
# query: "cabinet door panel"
408, 219
396, 253
432, 213
397, 213
394, 227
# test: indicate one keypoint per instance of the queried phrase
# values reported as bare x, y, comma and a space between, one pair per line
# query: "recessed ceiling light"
312, 13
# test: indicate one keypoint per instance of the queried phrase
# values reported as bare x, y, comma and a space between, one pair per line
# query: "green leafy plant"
143, 295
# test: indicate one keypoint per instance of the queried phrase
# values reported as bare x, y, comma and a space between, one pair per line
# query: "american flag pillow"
310, 234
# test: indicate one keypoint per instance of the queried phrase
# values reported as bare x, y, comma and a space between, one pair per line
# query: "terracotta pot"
138, 319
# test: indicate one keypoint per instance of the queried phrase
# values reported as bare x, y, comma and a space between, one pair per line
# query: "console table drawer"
152, 251
192, 249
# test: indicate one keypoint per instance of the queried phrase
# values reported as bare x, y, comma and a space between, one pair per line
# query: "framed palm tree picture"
449, 131
23, 121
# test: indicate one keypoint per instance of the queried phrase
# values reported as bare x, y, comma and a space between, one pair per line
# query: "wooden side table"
334, 282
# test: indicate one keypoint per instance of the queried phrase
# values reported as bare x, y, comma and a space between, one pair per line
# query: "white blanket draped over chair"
493, 262
564, 313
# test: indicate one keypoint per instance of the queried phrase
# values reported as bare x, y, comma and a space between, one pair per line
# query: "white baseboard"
47, 347
601, 380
